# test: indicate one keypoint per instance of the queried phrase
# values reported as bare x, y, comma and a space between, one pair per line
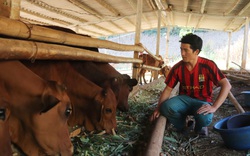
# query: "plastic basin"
235, 138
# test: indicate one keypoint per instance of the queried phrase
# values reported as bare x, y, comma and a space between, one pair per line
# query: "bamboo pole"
149, 67
20, 49
18, 29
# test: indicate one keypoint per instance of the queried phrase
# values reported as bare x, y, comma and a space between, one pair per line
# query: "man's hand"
155, 115
206, 109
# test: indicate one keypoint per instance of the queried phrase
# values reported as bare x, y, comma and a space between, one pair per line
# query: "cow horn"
102, 132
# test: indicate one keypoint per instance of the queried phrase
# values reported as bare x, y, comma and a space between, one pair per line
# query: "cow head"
5, 141
122, 86
159, 63
45, 132
104, 111
164, 71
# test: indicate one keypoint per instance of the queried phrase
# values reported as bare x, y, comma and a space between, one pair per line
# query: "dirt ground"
176, 144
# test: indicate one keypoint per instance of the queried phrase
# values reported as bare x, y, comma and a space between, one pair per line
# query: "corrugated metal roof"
100, 18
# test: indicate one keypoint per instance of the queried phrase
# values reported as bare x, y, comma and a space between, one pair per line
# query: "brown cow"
39, 111
109, 77
93, 107
164, 71
5, 141
150, 61
103, 74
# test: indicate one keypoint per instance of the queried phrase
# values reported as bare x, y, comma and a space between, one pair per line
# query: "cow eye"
68, 111
108, 110
130, 88
2, 114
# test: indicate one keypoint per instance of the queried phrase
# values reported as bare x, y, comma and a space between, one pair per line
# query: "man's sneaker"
203, 131
189, 128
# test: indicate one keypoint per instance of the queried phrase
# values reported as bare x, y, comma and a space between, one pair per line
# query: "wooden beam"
244, 9
108, 7
238, 14
151, 4
203, 4
85, 7
232, 8
185, 5
199, 22
133, 5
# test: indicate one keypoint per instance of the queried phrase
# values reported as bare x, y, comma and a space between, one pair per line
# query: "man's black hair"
194, 41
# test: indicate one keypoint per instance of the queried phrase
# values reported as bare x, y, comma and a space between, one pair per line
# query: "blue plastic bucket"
235, 138
238, 121
246, 97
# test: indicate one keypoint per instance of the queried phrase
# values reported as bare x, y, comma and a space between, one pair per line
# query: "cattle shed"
102, 18
22, 21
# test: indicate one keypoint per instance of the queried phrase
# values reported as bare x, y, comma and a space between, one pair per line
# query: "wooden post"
245, 44
137, 35
155, 76
166, 60
15, 9
228, 50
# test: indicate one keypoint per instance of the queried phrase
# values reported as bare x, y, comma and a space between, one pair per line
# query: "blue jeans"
177, 108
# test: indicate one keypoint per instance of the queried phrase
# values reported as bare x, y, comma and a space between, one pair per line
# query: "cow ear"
49, 102
100, 96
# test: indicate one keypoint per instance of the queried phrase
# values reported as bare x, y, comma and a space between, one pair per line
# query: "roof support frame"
245, 45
